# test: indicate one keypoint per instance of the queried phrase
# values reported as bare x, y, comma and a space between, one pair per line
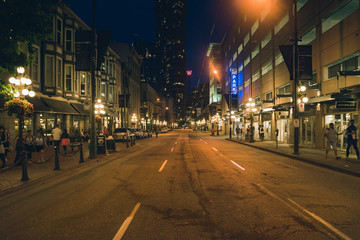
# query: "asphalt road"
186, 185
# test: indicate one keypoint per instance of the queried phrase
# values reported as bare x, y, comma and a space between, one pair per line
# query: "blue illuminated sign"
233, 81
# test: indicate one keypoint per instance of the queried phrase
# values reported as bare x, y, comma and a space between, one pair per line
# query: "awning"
39, 106
59, 106
321, 99
80, 108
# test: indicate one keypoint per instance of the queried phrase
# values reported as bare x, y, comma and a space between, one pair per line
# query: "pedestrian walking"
157, 131
40, 145
56, 133
2, 147
237, 132
29, 144
65, 140
351, 133
331, 136
262, 132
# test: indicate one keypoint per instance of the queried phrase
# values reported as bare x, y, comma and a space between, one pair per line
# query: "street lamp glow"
12, 80
250, 99
99, 100
302, 88
17, 94
31, 94
215, 71
25, 92
305, 99
20, 70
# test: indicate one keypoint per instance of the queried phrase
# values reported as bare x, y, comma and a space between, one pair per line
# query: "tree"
22, 23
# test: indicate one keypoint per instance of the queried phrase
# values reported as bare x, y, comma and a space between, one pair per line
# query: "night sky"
134, 20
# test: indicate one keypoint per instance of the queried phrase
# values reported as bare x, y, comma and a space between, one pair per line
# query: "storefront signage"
350, 105
233, 81
301, 107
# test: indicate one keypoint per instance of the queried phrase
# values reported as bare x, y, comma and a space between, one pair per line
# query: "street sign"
346, 105
304, 60
296, 123
233, 81
301, 107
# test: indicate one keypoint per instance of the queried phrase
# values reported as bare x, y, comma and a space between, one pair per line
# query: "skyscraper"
170, 20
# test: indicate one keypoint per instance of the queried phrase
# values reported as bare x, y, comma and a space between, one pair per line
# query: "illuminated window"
246, 39
308, 37
240, 48
256, 76
254, 27
300, 4
246, 61
59, 73
278, 59
267, 68
281, 23
266, 40
69, 40
255, 52
68, 77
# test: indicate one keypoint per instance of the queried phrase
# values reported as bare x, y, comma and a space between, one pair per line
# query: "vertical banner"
233, 84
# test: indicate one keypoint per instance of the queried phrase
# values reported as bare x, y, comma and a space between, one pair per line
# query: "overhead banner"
233, 81
304, 60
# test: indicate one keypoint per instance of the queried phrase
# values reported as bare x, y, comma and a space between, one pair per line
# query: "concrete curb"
299, 158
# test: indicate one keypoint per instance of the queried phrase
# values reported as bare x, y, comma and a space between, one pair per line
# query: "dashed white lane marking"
214, 149
237, 165
126, 223
162, 166
175, 143
200, 139
172, 149
205, 142
328, 225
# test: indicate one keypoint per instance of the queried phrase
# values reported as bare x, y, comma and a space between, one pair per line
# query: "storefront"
307, 131
266, 122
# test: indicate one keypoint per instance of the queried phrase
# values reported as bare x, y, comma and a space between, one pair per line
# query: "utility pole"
295, 90
92, 149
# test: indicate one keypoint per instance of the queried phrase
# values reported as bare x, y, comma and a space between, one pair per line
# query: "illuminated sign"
233, 81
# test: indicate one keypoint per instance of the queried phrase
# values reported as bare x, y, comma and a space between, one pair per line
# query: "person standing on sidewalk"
331, 136
56, 133
2, 147
65, 140
40, 145
29, 144
351, 133
237, 132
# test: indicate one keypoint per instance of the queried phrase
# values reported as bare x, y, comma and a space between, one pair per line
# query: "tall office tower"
170, 20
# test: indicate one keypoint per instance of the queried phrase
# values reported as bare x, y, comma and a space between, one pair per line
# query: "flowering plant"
19, 106
98, 118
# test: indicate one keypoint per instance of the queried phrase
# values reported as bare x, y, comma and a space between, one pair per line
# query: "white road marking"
126, 223
163, 165
237, 165
328, 225
205, 142
175, 143
214, 149
172, 149
200, 139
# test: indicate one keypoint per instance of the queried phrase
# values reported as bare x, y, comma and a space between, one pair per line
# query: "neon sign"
233, 81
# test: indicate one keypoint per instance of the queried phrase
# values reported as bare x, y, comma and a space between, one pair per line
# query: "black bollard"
127, 142
81, 154
57, 165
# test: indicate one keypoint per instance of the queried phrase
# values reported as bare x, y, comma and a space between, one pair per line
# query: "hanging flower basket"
98, 118
19, 107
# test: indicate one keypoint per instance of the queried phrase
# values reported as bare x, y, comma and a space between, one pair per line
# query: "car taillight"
125, 134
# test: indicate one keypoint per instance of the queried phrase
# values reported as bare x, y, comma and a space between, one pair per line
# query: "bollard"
127, 142
81, 154
131, 141
57, 165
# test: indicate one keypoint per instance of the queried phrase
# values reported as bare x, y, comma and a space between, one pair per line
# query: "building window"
88, 85
69, 40
256, 76
240, 48
267, 68
281, 24
278, 59
76, 81
347, 65
308, 37
285, 89
68, 77
266, 40
111, 93
257, 101
246, 61
58, 72
268, 96
254, 27
82, 83
246, 39
34, 65
255, 52
49, 71
339, 15
300, 4
59, 31
265, 13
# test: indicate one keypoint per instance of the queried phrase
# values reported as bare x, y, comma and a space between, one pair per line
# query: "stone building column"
36, 123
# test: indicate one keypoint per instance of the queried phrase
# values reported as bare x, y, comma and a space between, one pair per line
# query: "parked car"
164, 130
138, 132
120, 134
147, 133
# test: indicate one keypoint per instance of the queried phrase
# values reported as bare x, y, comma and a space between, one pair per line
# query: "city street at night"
186, 185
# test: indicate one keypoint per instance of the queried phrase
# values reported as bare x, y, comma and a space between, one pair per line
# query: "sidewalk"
310, 155
11, 176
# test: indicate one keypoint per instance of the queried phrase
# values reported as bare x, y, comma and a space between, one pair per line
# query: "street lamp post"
134, 119
21, 90
251, 109
99, 110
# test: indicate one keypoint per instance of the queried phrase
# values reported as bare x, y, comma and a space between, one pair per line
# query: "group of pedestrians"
352, 137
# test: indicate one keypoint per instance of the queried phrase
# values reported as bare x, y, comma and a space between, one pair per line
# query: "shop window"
49, 71
82, 83
339, 15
